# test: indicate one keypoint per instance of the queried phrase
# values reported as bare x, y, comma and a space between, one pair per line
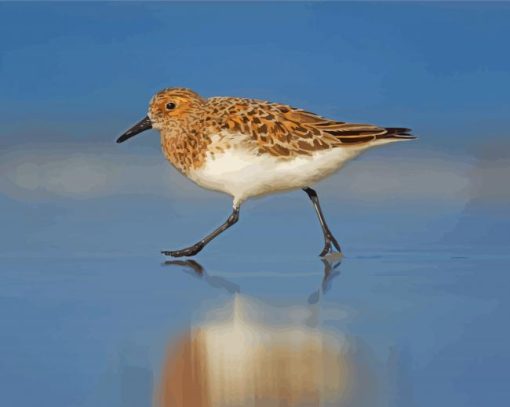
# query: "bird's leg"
329, 239
192, 250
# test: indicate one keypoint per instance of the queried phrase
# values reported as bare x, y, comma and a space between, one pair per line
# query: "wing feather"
285, 131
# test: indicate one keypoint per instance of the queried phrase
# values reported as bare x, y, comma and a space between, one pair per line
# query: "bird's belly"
244, 175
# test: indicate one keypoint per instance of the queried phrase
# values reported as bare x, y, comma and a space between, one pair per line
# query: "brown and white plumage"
285, 131
248, 147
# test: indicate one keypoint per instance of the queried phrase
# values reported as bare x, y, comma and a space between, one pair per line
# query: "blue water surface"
82, 331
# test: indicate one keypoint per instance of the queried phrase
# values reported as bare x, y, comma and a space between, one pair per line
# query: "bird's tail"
396, 133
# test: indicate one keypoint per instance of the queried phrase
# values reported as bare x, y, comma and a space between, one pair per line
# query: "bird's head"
167, 109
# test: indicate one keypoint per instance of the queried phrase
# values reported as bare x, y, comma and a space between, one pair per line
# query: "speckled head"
167, 108
173, 104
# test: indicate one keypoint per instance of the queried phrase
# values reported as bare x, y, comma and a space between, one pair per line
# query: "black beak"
142, 125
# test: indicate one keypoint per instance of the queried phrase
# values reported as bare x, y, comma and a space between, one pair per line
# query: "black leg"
329, 239
192, 250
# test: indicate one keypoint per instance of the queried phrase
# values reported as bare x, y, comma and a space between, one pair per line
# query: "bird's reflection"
249, 353
196, 269
331, 271
330, 263
253, 354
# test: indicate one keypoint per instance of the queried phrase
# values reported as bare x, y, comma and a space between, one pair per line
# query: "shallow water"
388, 329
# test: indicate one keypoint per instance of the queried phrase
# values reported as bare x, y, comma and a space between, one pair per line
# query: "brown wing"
282, 130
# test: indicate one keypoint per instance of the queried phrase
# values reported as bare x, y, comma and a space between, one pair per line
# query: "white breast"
243, 174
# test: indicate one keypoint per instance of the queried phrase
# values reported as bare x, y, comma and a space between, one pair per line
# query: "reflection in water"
330, 265
247, 353
252, 354
195, 268
245, 358
330, 272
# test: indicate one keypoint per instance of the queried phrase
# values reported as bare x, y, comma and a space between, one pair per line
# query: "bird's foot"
187, 252
328, 246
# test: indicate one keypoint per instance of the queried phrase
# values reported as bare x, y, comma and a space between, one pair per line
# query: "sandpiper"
249, 147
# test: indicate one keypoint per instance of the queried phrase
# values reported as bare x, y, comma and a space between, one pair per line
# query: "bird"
248, 148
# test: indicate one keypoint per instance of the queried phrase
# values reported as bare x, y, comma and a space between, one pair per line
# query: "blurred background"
83, 219
75, 76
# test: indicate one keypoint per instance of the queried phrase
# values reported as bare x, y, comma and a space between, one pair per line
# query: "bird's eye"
170, 105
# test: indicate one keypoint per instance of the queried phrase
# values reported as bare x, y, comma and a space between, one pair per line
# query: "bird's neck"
185, 146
